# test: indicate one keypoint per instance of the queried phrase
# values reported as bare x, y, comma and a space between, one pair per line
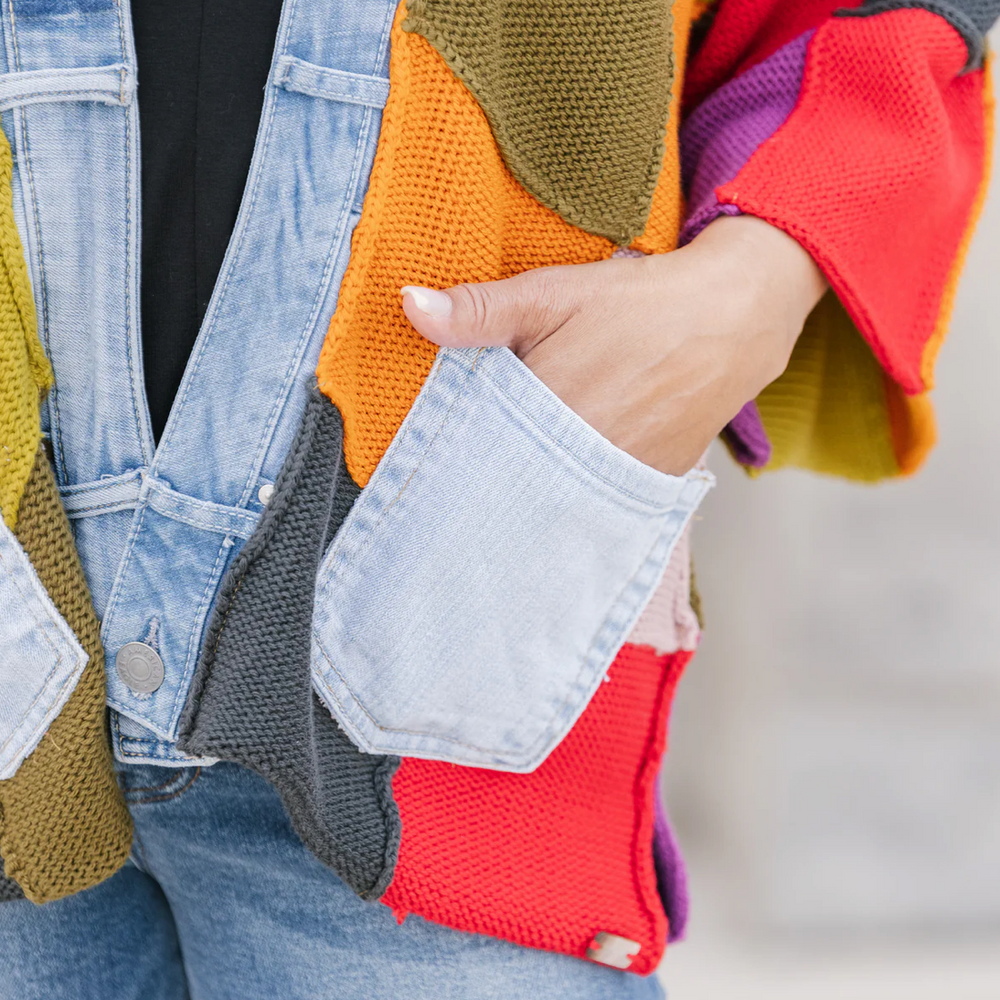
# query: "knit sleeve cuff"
867, 140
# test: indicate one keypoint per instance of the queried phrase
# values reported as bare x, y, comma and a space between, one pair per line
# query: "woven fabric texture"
63, 821
577, 93
252, 700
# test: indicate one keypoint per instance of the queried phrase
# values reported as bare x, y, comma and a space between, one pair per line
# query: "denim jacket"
472, 661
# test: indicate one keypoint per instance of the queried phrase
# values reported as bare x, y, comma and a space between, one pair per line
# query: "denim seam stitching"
122, 573
79, 512
89, 94
290, 379
173, 795
305, 68
122, 749
235, 528
328, 568
333, 254
53, 393
78, 489
194, 639
219, 292
130, 261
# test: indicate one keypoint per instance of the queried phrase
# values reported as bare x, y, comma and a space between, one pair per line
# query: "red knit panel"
876, 173
746, 32
550, 858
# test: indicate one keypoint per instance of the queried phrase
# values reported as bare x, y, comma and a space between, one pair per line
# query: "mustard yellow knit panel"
828, 411
24, 370
63, 821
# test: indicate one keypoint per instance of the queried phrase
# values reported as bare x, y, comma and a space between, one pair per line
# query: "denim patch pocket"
485, 579
40, 658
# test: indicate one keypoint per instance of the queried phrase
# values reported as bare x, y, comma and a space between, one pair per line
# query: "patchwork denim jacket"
413, 589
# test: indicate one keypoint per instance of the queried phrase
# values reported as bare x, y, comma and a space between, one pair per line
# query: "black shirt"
202, 68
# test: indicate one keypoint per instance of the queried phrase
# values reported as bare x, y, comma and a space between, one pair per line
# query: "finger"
516, 312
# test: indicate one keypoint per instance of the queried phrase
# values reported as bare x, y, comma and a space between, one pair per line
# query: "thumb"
517, 312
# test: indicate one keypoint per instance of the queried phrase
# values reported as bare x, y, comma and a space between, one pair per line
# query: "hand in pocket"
656, 353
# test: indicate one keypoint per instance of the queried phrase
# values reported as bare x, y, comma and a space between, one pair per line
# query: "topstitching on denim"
195, 495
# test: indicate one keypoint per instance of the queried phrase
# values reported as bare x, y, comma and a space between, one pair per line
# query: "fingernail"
429, 301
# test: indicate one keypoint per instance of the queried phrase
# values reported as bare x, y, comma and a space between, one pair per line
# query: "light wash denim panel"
157, 527
487, 576
40, 658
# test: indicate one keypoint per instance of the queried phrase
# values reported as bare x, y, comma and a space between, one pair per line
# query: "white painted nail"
429, 301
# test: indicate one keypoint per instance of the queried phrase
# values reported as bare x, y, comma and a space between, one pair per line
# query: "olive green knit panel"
24, 370
577, 95
63, 821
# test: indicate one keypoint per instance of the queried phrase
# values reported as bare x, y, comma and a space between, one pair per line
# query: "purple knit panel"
671, 875
747, 438
725, 130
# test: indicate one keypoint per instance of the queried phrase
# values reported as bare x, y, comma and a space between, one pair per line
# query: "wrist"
769, 278
773, 264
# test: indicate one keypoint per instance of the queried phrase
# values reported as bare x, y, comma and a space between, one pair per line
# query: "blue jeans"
221, 900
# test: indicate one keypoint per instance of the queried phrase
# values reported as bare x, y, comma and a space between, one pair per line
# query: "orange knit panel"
667, 211
441, 209
911, 425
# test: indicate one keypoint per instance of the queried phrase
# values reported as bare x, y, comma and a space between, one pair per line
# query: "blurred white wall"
835, 753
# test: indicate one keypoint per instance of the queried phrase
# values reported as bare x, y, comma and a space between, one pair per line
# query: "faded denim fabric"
156, 528
490, 571
40, 657
221, 900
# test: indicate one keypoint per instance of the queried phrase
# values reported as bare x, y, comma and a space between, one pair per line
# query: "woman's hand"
657, 353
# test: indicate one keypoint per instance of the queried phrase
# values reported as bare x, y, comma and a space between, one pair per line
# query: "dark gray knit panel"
252, 700
970, 18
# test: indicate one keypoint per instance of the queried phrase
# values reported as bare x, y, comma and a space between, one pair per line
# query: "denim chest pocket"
485, 579
40, 658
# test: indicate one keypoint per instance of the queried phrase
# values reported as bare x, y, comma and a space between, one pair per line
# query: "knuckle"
474, 304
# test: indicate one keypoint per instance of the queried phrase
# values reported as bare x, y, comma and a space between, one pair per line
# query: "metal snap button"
140, 667
613, 950
265, 493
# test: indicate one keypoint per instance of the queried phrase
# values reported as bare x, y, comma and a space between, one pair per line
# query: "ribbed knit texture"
577, 94
828, 410
63, 821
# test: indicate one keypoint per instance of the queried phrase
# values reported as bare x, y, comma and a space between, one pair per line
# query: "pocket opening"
486, 578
